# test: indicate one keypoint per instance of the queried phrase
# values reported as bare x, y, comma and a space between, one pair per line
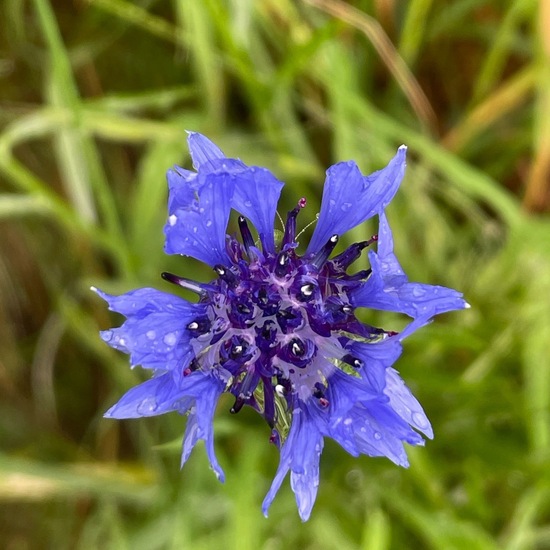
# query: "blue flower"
278, 329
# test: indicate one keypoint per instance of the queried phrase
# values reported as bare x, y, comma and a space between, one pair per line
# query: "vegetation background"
95, 96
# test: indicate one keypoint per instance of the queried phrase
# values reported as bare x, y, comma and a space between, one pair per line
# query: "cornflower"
275, 328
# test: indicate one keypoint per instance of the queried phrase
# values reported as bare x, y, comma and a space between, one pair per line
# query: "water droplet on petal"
170, 338
248, 204
172, 220
107, 335
418, 292
151, 334
208, 223
377, 436
420, 420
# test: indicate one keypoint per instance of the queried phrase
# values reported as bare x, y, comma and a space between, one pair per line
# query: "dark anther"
306, 292
243, 308
248, 241
323, 402
297, 347
226, 275
200, 325
319, 390
353, 361
352, 253
193, 286
282, 264
359, 276
290, 225
236, 351
289, 319
263, 299
237, 406
322, 256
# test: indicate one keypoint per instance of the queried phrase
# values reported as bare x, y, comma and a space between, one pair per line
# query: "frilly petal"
153, 397
202, 150
199, 229
207, 391
388, 288
349, 198
403, 402
300, 453
256, 196
154, 334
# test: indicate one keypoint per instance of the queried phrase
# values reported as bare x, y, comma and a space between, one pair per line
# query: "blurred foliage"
95, 96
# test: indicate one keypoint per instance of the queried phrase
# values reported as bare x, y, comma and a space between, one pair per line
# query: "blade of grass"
414, 29
65, 93
387, 52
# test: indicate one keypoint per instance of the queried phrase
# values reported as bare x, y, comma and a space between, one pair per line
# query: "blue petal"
300, 453
349, 198
207, 391
388, 288
377, 357
405, 404
257, 192
156, 396
198, 230
202, 149
375, 438
154, 333
182, 188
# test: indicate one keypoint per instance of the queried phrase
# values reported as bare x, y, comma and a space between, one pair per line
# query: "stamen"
199, 288
297, 347
246, 235
306, 292
353, 280
282, 264
226, 275
290, 226
199, 326
237, 406
352, 253
322, 256
353, 361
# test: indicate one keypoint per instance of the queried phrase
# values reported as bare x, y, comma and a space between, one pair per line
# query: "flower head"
278, 329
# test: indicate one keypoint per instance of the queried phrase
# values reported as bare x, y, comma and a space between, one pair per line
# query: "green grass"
95, 97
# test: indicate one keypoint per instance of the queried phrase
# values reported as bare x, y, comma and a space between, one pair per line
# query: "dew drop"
348, 421
107, 335
170, 338
195, 229
248, 204
148, 405
418, 292
346, 206
208, 223
151, 334
377, 436
420, 420
172, 220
